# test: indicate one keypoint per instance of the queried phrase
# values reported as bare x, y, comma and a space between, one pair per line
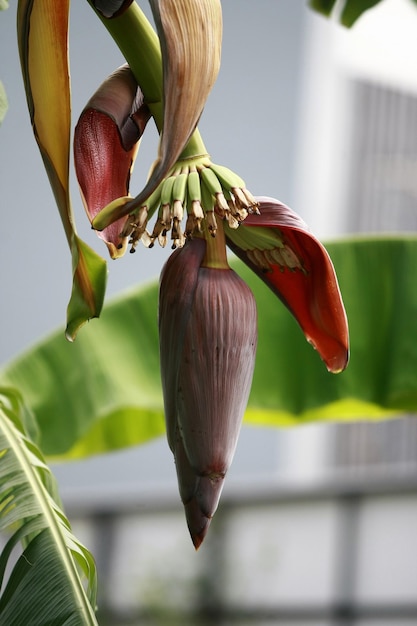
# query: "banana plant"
168, 77
201, 345
207, 314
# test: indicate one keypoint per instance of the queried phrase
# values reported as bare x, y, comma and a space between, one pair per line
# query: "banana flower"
207, 314
267, 235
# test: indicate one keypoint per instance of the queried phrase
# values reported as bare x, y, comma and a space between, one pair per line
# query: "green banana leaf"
45, 585
103, 392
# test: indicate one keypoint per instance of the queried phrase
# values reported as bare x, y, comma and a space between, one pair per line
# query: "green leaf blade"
38, 569
104, 393
29, 505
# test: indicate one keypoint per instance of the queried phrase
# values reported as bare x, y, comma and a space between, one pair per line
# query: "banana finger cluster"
190, 194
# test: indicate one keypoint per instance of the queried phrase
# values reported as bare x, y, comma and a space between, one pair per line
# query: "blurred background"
317, 524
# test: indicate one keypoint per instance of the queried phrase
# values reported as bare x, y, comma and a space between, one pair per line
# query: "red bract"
106, 140
298, 269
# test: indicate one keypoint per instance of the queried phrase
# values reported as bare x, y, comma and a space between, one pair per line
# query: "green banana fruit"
210, 180
228, 179
180, 186
193, 186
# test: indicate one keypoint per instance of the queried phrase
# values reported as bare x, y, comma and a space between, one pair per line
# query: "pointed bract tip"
198, 523
340, 362
200, 494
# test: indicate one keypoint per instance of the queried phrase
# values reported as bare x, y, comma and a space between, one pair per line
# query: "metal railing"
347, 498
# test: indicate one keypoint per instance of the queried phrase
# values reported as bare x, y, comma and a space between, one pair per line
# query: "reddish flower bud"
208, 337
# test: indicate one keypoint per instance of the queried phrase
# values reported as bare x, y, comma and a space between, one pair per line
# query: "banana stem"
216, 253
195, 147
139, 44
